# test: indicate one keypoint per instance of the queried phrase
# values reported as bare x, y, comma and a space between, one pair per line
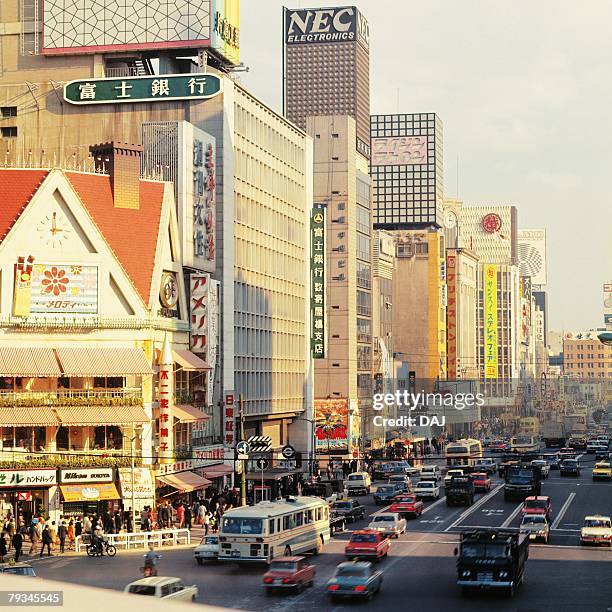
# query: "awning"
188, 414
189, 361
21, 416
89, 492
217, 471
271, 475
28, 361
103, 361
101, 415
185, 481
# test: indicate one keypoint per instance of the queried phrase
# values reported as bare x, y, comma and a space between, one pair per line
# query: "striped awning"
22, 416
101, 415
189, 361
103, 361
28, 361
185, 481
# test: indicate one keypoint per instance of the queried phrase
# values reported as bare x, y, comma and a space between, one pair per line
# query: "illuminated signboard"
399, 151
331, 424
451, 317
64, 288
490, 320
226, 29
324, 25
317, 274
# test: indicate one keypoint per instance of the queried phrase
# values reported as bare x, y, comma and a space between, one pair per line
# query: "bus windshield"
243, 526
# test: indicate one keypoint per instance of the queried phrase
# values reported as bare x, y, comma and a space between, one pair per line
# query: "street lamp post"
132, 439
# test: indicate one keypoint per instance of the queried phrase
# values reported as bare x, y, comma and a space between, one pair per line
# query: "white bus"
524, 443
274, 528
464, 452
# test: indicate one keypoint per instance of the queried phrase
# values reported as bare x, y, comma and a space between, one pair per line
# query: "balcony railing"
73, 397
18, 457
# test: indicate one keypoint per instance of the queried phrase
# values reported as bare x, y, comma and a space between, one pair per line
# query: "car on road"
536, 526
207, 549
407, 505
367, 544
324, 490
601, 452
359, 483
403, 467
487, 464
540, 504
385, 493
451, 473
543, 465
592, 445
569, 467
337, 523
427, 489
567, 453
402, 480
354, 580
289, 574
163, 587
431, 472
602, 471
388, 523
597, 529
497, 446
482, 481
351, 509
18, 569
553, 460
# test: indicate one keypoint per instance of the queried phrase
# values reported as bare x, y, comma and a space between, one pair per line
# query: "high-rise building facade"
327, 67
406, 166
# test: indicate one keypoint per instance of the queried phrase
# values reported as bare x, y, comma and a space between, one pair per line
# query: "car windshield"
241, 525
605, 466
570, 463
348, 570
386, 489
426, 485
210, 540
406, 500
283, 566
142, 589
481, 549
534, 518
20, 571
343, 505
355, 477
597, 523
535, 503
363, 537
479, 476
384, 518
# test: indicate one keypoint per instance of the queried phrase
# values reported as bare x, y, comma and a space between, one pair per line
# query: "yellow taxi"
602, 471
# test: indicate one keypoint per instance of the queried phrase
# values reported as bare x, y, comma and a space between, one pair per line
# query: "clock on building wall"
491, 223
54, 229
450, 219
168, 293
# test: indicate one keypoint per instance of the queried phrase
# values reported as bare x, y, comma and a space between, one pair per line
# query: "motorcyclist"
150, 560
97, 539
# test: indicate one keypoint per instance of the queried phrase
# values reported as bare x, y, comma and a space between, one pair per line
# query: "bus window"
299, 519
309, 516
319, 514
326, 514
271, 526
278, 525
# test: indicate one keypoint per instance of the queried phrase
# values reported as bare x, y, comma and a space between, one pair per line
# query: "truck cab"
522, 480
460, 490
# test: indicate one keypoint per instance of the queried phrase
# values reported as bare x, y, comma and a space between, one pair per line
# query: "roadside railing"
140, 539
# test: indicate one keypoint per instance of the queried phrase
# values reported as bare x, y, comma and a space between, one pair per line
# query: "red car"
540, 504
291, 573
482, 482
407, 504
367, 544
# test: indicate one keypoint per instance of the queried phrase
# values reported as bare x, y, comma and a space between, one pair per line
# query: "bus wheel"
287, 552
319, 548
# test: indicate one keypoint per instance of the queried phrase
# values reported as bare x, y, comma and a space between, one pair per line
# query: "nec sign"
324, 25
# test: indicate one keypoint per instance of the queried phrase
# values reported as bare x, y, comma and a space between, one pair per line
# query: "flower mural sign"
331, 424
64, 288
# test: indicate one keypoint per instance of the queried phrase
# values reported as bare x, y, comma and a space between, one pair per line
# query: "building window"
8, 111
9, 132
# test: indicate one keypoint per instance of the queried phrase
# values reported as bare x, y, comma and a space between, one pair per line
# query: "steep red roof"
16, 189
131, 234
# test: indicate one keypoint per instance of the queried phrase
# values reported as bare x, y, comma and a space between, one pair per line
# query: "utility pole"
243, 496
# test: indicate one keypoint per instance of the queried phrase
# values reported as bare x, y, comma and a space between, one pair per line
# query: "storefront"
143, 490
88, 491
28, 493
183, 485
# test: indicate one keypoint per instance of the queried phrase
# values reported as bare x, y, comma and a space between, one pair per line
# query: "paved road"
420, 570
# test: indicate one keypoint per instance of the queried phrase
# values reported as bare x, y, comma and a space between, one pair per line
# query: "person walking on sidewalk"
46, 541
18, 544
3, 550
71, 535
62, 532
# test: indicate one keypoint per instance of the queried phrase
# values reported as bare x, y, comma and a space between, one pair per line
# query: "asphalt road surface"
419, 573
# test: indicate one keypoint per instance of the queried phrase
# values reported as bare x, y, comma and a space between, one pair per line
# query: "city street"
421, 565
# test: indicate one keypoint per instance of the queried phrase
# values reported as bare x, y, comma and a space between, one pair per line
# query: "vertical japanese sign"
166, 402
230, 421
23, 287
451, 317
204, 184
490, 320
317, 274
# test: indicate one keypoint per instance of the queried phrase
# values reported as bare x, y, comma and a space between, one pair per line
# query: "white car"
163, 587
431, 472
451, 473
597, 529
207, 549
427, 488
543, 465
389, 523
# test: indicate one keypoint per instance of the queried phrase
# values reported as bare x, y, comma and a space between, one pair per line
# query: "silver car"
388, 523
536, 526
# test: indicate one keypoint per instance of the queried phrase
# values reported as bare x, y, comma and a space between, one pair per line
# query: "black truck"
491, 559
522, 480
460, 490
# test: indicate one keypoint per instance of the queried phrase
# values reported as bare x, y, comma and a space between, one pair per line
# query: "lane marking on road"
568, 530
428, 508
474, 507
507, 522
563, 510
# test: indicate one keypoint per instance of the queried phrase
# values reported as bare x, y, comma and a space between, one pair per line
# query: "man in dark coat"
47, 540
17, 544
62, 532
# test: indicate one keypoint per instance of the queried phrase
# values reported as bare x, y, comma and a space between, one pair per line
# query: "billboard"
451, 317
331, 424
490, 320
532, 254
399, 151
64, 288
324, 25
607, 303
226, 29
92, 26
317, 275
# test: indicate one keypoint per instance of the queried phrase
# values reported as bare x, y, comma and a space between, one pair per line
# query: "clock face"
450, 219
54, 230
168, 294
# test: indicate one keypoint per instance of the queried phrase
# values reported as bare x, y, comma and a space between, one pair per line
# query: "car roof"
359, 564
596, 516
366, 531
537, 498
282, 559
480, 474
385, 514
155, 581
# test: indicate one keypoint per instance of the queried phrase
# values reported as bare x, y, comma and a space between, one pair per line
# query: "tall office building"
327, 67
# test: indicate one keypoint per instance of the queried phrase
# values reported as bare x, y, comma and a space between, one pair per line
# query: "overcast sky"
524, 90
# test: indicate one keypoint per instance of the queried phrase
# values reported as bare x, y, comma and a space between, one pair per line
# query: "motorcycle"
149, 568
98, 549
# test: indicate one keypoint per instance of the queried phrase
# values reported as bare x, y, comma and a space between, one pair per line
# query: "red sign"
451, 317
229, 399
491, 223
25, 496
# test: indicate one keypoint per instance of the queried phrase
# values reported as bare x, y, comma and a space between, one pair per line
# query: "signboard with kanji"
317, 274
490, 320
142, 89
28, 478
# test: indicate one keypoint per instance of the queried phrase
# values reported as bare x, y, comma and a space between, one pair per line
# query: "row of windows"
403, 117
297, 519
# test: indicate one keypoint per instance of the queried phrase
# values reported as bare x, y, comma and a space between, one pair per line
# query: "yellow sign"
89, 492
490, 321
23, 287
